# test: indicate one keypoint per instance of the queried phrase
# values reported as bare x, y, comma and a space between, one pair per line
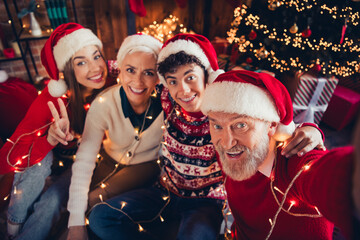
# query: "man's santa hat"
195, 45
138, 43
257, 95
63, 43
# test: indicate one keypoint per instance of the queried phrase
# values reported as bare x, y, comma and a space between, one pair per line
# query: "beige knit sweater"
105, 116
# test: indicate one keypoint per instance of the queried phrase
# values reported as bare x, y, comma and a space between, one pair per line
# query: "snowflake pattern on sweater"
190, 163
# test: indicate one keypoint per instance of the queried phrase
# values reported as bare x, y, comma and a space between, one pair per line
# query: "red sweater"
33, 142
326, 185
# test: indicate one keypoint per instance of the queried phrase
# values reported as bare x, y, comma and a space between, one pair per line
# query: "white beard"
246, 168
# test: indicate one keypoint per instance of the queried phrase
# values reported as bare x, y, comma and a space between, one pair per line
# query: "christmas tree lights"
281, 35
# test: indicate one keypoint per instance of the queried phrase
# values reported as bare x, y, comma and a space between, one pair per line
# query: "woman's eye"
148, 73
97, 57
80, 63
130, 70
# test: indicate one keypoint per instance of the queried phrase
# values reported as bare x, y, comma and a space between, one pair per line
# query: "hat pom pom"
57, 87
3, 76
284, 132
213, 75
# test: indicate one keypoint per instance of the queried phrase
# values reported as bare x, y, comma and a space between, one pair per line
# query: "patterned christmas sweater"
190, 163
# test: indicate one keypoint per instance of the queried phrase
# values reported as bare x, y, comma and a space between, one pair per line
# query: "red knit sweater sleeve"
327, 184
28, 144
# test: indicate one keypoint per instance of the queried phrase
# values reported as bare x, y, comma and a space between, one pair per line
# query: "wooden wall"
207, 17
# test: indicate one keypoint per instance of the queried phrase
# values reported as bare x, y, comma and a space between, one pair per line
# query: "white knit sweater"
105, 116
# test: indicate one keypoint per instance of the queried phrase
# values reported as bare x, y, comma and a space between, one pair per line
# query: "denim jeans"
28, 185
199, 218
45, 210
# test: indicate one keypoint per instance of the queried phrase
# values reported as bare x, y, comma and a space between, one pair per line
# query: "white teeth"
137, 90
187, 99
95, 77
234, 153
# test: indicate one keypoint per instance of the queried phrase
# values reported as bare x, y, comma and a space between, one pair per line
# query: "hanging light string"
138, 133
297, 41
272, 221
28, 156
226, 212
166, 198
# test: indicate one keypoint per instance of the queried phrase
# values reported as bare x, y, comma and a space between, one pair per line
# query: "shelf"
4, 59
25, 36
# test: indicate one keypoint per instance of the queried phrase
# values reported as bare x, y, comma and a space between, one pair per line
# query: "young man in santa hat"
189, 187
272, 196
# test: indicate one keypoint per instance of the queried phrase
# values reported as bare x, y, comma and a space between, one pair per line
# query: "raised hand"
304, 140
59, 131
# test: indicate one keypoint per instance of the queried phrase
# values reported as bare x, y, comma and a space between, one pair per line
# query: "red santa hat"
257, 95
63, 43
138, 42
195, 45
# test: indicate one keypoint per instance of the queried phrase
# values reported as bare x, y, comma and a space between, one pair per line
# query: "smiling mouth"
137, 90
189, 99
234, 154
98, 78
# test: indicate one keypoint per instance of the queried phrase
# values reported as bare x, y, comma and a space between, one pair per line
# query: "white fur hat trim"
241, 98
136, 42
68, 45
57, 88
3, 76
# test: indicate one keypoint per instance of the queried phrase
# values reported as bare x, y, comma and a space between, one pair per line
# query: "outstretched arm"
304, 139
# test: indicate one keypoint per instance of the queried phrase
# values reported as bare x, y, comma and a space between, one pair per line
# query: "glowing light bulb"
140, 228
277, 189
317, 210
87, 221
161, 219
123, 204
165, 198
292, 203
5, 198
103, 185
101, 197
61, 164
38, 134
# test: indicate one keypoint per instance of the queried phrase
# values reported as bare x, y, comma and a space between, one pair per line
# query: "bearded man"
271, 196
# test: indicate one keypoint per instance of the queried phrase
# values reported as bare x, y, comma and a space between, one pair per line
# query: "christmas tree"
286, 36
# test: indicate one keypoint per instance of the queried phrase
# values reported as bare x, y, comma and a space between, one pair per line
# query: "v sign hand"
59, 131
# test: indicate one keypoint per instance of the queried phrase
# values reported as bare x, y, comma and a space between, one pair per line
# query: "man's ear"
272, 128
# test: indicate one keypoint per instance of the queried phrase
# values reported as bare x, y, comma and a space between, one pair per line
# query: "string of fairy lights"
303, 5
226, 211
166, 29
296, 40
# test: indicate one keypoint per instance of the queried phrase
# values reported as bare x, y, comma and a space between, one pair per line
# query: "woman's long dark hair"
76, 101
